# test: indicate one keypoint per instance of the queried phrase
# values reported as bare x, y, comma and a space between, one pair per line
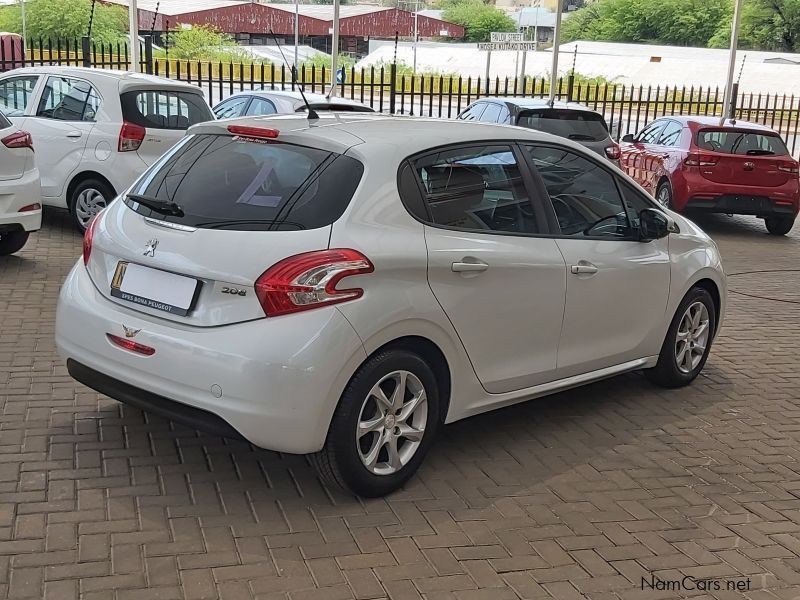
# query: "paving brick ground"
581, 495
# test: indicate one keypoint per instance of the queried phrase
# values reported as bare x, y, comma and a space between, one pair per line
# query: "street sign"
341, 76
513, 46
504, 36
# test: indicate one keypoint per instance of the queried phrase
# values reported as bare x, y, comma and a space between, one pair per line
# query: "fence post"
148, 54
392, 87
570, 85
86, 50
733, 100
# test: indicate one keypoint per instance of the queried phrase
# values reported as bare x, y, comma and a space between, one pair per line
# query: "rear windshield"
162, 109
581, 126
3, 121
337, 107
223, 182
741, 142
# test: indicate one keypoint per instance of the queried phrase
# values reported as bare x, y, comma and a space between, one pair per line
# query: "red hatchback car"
716, 165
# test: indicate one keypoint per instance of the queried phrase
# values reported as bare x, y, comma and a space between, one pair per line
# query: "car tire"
88, 198
664, 194
779, 225
381, 459
688, 342
13, 241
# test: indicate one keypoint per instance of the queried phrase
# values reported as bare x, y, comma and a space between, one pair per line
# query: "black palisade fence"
626, 108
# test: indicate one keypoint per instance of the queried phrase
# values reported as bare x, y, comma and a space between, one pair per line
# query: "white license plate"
154, 288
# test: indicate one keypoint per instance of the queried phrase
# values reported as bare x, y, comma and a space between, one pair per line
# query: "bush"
478, 18
207, 44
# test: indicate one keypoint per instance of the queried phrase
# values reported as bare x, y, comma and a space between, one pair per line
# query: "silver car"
255, 103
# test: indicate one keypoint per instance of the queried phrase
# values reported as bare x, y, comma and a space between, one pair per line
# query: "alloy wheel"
391, 423
88, 203
663, 196
692, 337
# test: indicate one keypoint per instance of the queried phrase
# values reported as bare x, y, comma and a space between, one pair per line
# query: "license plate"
153, 288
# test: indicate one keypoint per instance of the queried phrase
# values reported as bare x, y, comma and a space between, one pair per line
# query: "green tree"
478, 18
766, 25
67, 20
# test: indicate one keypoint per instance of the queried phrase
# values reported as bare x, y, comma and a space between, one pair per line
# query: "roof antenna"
312, 114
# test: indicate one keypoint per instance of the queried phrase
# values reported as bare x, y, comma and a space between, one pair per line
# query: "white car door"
617, 286
60, 127
501, 285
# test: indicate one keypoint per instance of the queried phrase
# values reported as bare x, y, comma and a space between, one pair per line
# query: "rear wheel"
688, 342
779, 225
88, 198
664, 194
383, 426
12, 241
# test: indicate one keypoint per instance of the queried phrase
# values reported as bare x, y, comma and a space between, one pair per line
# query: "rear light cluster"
309, 280
253, 132
31, 207
127, 344
131, 137
700, 160
789, 166
613, 152
87, 239
19, 139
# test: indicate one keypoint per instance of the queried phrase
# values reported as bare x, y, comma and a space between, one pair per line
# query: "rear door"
13, 161
637, 157
165, 114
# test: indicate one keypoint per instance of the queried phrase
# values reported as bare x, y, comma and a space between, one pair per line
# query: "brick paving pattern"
580, 495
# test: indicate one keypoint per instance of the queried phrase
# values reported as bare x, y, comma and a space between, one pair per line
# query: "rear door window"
231, 108
223, 182
66, 99
671, 134
578, 125
741, 142
491, 114
164, 109
16, 93
260, 106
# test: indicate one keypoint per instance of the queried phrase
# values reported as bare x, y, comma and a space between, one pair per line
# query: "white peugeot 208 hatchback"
344, 286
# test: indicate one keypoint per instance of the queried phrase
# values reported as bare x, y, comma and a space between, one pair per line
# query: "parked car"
565, 119
290, 292
20, 208
270, 102
715, 165
96, 130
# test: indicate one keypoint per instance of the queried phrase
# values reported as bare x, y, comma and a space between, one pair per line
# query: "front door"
501, 285
617, 286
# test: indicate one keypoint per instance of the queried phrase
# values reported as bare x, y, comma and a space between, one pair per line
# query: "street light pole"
133, 26
296, 34
334, 49
24, 24
728, 99
416, 34
556, 38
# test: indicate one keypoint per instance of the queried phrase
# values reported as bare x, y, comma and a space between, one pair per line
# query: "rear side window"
67, 99
741, 142
16, 93
582, 126
162, 109
223, 182
4, 122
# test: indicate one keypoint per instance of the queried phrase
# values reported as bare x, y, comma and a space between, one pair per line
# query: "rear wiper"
222, 224
165, 207
760, 153
581, 136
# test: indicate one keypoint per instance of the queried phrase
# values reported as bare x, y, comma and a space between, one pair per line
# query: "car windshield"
164, 109
223, 182
741, 142
578, 125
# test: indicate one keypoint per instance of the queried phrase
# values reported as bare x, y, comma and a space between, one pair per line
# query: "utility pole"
296, 35
416, 34
24, 24
737, 17
334, 49
133, 26
556, 38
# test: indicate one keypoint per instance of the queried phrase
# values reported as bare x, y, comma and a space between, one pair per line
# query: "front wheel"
688, 342
12, 241
383, 426
87, 199
779, 225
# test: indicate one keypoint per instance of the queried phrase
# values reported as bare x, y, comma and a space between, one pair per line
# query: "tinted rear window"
741, 142
577, 125
161, 109
222, 182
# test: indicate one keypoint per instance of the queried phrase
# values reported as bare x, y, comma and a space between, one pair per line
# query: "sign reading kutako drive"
514, 46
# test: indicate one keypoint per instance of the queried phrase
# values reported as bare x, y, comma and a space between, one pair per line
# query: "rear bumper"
695, 192
17, 194
760, 206
274, 381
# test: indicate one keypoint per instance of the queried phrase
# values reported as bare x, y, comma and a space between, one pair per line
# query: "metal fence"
626, 108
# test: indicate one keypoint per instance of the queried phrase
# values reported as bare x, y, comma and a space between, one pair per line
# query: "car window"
16, 93
232, 107
66, 99
649, 135
505, 115
4, 123
579, 125
164, 109
260, 106
741, 142
585, 197
474, 112
476, 189
491, 114
671, 134
635, 201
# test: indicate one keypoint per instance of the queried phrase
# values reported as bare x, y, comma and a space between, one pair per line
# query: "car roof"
127, 79
697, 121
296, 96
524, 103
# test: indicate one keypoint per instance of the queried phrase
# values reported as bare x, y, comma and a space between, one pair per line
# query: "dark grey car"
565, 119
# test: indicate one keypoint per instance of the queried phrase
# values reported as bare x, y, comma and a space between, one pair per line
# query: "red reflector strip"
126, 344
30, 208
253, 132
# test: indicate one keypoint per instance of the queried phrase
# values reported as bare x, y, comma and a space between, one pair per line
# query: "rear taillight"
788, 166
131, 137
700, 160
127, 344
87, 239
20, 139
309, 280
612, 152
31, 207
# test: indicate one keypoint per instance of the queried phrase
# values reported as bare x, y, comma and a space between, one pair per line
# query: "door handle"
469, 267
74, 135
583, 269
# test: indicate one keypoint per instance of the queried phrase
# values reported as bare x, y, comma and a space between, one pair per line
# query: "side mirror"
628, 138
653, 225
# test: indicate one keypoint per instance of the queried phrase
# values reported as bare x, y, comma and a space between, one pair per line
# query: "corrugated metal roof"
534, 17
324, 12
179, 7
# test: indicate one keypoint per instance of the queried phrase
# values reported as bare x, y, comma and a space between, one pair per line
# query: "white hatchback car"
20, 208
342, 287
96, 130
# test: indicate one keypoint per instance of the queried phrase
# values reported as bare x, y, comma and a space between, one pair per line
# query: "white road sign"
503, 36
514, 46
